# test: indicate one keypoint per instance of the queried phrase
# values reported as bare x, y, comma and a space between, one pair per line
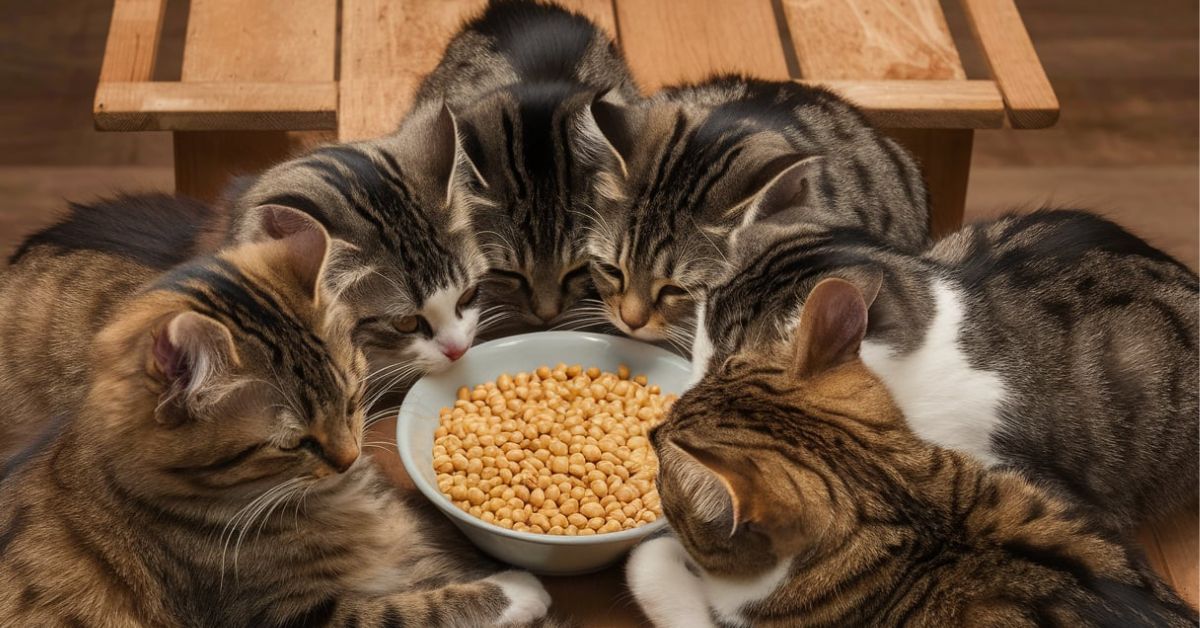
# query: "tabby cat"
520, 77
695, 161
800, 497
1055, 341
405, 258
63, 284
212, 475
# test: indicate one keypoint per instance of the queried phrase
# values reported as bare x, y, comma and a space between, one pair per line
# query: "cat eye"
671, 291
407, 325
516, 280
612, 272
574, 274
467, 298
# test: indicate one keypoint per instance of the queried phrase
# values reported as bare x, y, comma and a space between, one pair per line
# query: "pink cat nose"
453, 352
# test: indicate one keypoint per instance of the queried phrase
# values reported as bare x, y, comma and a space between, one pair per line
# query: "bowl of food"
536, 446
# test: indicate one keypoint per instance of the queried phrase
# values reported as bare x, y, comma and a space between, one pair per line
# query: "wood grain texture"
884, 39
262, 41
194, 106
132, 46
923, 104
388, 47
1014, 63
674, 41
945, 159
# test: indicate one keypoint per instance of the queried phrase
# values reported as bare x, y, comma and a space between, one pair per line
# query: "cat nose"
453, 352
341, 459
547, 311
634, 314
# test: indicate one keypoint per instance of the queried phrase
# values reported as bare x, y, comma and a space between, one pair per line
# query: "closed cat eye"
612, 272
467, 297
575, 273
671, 290
515, 279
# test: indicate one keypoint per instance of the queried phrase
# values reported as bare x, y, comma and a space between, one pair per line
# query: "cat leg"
509, 598
667, 592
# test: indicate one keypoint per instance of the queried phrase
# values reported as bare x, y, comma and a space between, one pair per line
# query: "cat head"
773, 267
405, 259
539, 201
234, 371
776, 453
679, 178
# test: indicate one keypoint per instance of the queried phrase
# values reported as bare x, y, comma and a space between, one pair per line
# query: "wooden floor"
1126, 75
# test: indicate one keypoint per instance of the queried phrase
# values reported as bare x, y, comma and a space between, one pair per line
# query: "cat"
53, 307
799, 496
519, 77
406, 260
694, 161
212, 475
1055, 341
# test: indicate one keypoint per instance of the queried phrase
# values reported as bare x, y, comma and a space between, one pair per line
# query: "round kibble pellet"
560, 450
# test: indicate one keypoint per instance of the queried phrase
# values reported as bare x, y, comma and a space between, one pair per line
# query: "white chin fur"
449, 328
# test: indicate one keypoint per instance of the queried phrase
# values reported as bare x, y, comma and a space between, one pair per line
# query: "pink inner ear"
170, 359
280, 222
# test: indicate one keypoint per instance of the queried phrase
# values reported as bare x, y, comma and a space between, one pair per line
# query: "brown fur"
211, 475
803, 456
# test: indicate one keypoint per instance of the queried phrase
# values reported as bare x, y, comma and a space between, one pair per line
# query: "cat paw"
527, 598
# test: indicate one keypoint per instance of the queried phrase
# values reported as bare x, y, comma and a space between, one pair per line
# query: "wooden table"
263, 79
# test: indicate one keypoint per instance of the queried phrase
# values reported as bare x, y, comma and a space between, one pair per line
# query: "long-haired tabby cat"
1054, 341
694, 161
406, 260
212, 475
800, 497
520, 77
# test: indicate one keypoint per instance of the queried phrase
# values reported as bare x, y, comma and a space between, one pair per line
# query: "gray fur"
697, 160
1092, 331
518, 76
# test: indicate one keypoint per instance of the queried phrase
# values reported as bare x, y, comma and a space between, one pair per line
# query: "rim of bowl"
434, 495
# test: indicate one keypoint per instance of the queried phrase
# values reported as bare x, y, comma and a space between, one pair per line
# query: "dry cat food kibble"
561, 450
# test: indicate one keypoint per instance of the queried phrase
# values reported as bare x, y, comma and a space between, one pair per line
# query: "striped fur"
836, 514
405, 257
519, 76
698, 159
241, 501
1073, 354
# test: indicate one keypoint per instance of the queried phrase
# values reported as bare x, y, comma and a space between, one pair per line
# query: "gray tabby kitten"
520, 77
695, 160
1056, 342
405, 256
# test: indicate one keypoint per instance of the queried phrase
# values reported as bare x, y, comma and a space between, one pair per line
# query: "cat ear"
606, 132
789, 184
188, 353
736, 476
452, 166
832, 325
305, 243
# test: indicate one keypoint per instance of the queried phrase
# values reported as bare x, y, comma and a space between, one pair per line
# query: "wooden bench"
263, 79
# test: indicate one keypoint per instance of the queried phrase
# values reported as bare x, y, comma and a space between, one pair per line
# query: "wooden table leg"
945, 158
205, 161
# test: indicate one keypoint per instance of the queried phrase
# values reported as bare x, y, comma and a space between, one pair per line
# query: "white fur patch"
527, 598
702, 348
449, 329
667, 592
944, 399
727, 596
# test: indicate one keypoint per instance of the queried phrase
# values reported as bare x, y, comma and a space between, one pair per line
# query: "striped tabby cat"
800, 497
695, 161
1056, 342
405, 257
211, 476
52, 308
520, 78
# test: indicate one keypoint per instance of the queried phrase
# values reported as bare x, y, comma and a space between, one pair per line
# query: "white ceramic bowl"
540, 553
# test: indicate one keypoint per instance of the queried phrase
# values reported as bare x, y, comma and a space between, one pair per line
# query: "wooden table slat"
673, 41
1014, 63
872, 39
195, 106
132, 45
